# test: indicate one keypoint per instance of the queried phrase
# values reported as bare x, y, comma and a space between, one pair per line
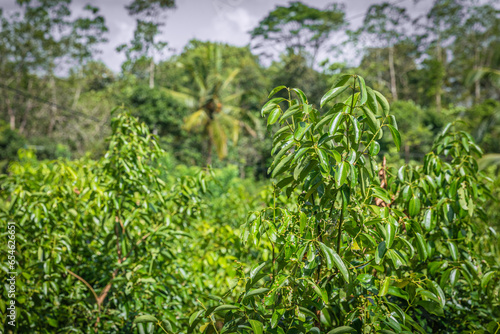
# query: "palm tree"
215, 103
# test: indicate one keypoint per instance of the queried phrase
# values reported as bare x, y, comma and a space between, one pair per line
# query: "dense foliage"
365, 209
364, 249
100, 241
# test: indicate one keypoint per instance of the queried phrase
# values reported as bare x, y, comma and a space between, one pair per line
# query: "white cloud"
232, 25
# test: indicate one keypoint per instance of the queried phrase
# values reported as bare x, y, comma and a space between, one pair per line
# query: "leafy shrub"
364, 249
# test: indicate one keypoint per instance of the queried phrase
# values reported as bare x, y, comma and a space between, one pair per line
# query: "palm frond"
197, 120
230, 78
184, 98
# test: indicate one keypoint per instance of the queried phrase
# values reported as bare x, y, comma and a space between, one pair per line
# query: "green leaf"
382, 194
321, 293
275, 90
362, 88
335, 124
372, 122
291, 111
439, 293
256, 270
462, 199
341, 173
342, 80
194, 317
427, 221
371, 102
323, 160
431, 307
323, 121
414, 206
331, 94
273, 116
282, 151
380, 252
398, 312
446, 128
303, 222
396, 258
257, 326
333, 258
398, 292
281, 166
383, 102
386, 331
391, 233
301, 95
357, 131
284, 182
486, 279
342, 329
256, 292
453, 250
300, 153
384, 287
145, 318
225, 307
300, 131
53, 322
374, 148
396, 137
421, 247
270, 105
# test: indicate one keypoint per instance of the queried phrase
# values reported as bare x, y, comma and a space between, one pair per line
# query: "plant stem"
341, 221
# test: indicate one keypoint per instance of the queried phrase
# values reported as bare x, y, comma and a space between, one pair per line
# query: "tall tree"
474, 52
298, 28
37, 41
87, 33
214, 97
150, 18
441, 25
385, 25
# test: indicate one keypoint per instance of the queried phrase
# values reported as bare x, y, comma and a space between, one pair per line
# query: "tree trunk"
209, 152
439, 54
394, 90
78, 90
27, 110
477, 83
53, 108
379, 72
152, 73
407, 153
10, 109
12, 116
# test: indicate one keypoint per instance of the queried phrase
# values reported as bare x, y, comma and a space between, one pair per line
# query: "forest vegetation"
270, 188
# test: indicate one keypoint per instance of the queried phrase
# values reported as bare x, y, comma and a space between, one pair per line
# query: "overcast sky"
215, 20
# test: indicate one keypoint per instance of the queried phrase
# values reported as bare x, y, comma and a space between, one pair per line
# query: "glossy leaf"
396, 137
275, 90
331, 94
383, 102
332, 258
342, 329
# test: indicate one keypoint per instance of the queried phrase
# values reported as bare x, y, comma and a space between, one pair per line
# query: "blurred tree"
214, 97
441, 28
87, 33
38, 41
416, 136
384, 24
483, 121
298, 28
10, 142
477, 50
150, 17
292, 70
